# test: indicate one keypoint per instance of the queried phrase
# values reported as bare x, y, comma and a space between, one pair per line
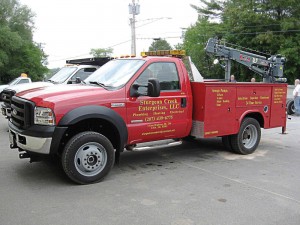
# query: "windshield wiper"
101, 84
98, 83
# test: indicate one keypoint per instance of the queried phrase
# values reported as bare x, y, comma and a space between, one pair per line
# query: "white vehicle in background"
75, 71
18, 80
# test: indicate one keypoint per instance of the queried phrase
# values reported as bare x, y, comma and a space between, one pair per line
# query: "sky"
69, 29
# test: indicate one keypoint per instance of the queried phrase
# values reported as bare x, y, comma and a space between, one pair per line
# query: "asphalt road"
194, 183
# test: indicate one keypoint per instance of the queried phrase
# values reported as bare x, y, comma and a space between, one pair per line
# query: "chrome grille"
21, 112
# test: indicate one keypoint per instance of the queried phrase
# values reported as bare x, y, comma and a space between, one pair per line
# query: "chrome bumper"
29, 143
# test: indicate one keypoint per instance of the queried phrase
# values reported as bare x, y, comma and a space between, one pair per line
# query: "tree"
195, 39
267, 26
101, 52
160, 44
212, 10
18, 52
179, 46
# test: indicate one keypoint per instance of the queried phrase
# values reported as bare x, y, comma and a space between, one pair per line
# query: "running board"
170, 144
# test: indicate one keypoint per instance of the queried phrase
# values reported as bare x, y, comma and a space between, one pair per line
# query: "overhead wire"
78, 56
202, 35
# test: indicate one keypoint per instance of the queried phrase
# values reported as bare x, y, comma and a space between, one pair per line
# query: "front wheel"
88, 157
247, 139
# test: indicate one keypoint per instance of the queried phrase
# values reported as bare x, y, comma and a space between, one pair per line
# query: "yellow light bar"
174, 53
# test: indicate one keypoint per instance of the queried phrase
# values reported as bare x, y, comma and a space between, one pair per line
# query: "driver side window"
143, 79
165, 72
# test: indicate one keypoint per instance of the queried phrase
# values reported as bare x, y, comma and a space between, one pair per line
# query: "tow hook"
24, 155
33, 158
13, 146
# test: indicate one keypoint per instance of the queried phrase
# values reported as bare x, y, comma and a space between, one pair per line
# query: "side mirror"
78, 80
134, 90
153, 89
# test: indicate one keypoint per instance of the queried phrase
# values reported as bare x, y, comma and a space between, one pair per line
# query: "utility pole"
134, 9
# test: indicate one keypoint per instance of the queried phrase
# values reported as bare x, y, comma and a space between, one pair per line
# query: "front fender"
97, 112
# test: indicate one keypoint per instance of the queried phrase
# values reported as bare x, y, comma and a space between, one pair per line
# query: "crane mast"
271, 69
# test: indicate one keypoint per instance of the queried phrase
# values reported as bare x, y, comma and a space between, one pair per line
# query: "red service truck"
141, 99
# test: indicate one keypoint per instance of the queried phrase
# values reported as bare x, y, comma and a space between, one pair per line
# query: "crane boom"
271, 69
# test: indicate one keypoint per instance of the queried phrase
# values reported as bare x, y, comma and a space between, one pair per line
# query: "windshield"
62, 74
115, 73
13, 82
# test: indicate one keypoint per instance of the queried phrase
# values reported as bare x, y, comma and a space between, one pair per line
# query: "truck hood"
22, 87
2, 87
63, 94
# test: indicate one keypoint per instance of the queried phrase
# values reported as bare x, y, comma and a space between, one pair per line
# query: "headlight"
43, 116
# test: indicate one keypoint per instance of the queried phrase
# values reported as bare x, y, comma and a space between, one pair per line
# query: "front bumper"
37, 139
6, 111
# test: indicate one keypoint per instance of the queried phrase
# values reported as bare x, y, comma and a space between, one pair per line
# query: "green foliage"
269, 27
179, 46
195, 39
18, 52
160, 44
101, 52
213, 9
50, 73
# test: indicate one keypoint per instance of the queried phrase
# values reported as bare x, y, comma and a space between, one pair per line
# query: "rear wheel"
88, 157
247, 139
290, 107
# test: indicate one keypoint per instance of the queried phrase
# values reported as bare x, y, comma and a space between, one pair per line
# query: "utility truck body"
135, 100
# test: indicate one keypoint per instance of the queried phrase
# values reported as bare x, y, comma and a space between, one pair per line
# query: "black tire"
226, 140
189, 139
88, 157
247, 139
290, 107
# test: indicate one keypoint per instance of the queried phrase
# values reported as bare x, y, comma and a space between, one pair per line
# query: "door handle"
183, 102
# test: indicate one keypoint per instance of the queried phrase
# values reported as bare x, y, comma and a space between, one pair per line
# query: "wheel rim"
250, 136
90, 159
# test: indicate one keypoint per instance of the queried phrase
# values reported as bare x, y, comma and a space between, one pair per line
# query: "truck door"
166, 116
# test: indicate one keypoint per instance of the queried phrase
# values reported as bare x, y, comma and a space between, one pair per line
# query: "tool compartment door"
214, 109
278, 104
